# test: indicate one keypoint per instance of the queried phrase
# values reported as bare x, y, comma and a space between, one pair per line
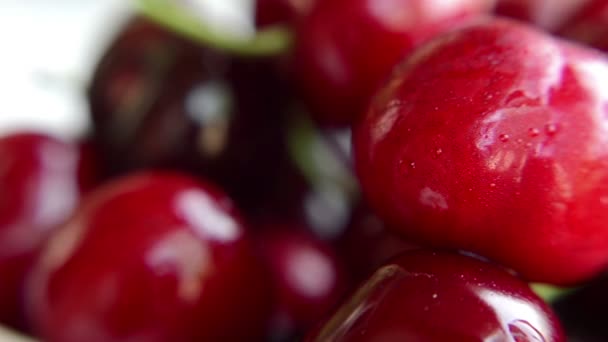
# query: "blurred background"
49, 48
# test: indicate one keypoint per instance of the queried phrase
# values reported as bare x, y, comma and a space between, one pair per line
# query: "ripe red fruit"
546, 14
154, 257
159, 100
424, 296
346, 48
589, 25
493, 140
41, 181
308, 277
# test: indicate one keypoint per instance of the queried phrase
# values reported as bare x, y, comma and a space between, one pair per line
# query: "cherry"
589, 25
308, 276
546, 14
436, 296
492, 139
158, 100
42, 179
346, 48
155, 257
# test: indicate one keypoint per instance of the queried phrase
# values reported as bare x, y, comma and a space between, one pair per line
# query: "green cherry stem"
269, 41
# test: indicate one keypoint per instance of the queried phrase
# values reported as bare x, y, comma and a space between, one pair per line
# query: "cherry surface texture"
436, 297
492, 139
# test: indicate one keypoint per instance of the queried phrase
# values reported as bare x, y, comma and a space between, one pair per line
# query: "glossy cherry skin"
150, 257
434, 296
546, 14
158, 100
589, 25
346, 48
42, 180
492, 140
308, 276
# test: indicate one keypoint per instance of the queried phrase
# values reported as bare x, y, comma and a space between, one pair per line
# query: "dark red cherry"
546, 14
589, 25
158, 100
309, 278
151, 257
270, 12
346, 48
426, 297
41, 181
493, 139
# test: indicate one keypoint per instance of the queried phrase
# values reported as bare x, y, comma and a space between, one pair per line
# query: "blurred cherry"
159, 100
309, 278
151, 257
546, 14
345, 49
42, 179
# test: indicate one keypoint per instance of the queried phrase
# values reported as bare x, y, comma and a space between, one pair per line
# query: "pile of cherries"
190, 212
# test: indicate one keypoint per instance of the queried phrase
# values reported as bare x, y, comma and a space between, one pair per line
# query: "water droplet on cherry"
504, 137
551, 129
533, 132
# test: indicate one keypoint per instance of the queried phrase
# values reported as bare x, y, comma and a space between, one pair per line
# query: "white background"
47, 51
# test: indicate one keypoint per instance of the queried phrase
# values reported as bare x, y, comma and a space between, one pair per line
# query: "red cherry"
154, 257
309, 278
158, 100
493, 139
546, 14
590, 25
425, 296
41, 182
346, 48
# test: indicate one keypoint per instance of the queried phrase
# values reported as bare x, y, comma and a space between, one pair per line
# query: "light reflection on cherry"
42, 180
438, 296
158, 256
308, 275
